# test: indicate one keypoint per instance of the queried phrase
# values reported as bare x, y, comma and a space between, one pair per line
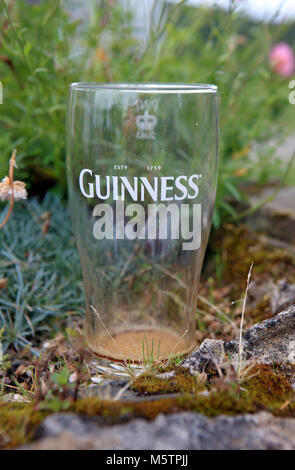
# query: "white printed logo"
163, 207
146, 125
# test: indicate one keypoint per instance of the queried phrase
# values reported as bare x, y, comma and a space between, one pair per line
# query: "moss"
221, 402
182, 381
224, 402
112, 412
240, 246
265, 387
262, 310
269, 386
18, 422
237, 247
287, 410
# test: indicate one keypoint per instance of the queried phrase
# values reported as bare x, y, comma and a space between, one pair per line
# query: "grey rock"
178, 431
269, 341
276, 217
281, 294
273, 340
210, 353
111, 389
279, 148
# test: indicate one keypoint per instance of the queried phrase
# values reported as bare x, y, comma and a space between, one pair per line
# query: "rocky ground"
178, 431
228, 394
272, 341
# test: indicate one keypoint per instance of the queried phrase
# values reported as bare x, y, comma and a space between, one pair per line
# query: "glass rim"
152, 87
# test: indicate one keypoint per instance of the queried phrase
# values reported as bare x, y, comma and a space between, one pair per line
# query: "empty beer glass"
142, 172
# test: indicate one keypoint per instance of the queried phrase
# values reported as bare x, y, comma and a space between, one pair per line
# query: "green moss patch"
18, 422
182, 381
240, 246
265, 387
232, 250
269, 386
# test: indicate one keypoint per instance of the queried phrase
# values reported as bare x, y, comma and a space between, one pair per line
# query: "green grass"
43, 50
43, 272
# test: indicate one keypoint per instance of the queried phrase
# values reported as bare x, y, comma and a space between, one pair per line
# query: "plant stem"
242, 321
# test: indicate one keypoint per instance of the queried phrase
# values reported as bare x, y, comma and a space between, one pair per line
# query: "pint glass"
142, 172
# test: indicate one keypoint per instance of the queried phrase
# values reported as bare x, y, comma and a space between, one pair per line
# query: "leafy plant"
57, 396
39, 259
43, 50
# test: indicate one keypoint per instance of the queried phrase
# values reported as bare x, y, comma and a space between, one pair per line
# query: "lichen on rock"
272, 341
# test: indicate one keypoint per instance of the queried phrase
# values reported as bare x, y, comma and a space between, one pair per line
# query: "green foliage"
58, 397
54, 404
43, 50
264, 388
61, 378
4, 360
42, 271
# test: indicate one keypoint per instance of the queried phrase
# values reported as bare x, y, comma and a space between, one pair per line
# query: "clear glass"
142, 171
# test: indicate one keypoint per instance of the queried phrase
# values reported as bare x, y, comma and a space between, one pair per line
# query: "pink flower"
281, 59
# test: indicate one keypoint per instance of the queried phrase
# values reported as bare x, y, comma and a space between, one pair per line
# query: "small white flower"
19, 190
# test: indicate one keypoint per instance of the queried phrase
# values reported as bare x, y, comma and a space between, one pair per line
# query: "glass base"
141, 346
